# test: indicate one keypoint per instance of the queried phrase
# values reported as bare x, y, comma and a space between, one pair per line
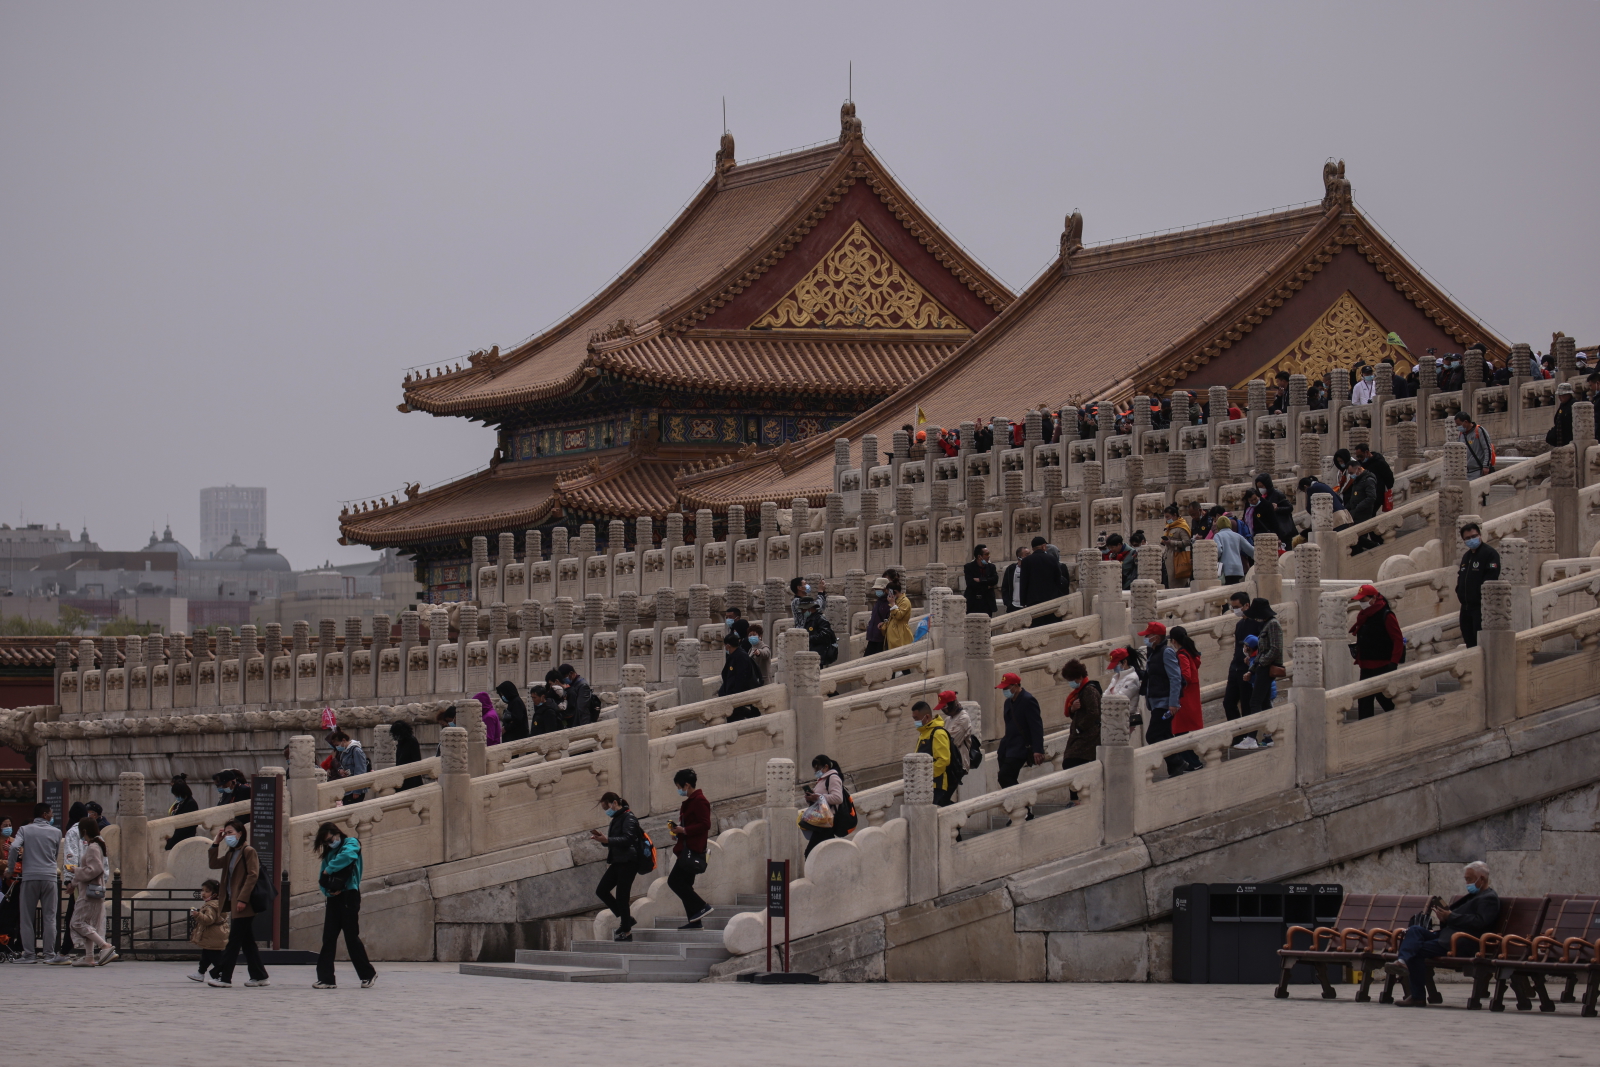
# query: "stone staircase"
659, 954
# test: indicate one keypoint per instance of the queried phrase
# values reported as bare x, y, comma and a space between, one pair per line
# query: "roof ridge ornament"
849, 125
1336, 187
1072, 235
725, 153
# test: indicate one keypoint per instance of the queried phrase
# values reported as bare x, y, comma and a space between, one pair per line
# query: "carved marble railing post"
1516, 557
302, 784
1452, 503
467, 628
1149, 557
594, 617
1266, 575
1298, 405
1308, 691
1564, 502
1089, 580
455, 791
633, 749
699, 608
781, 816
1498, 643
480, 560
410, 637
1540, 530
1307, 589
952, 635
922, 828
469, 716
1221, 468
1405, 447
133, 832
64, 664
1255, 406
1132, 487
499, 630
1322, 534
627, 618
1455, 478
774, 606
855, 600
1310, 456
644, 537
1113, 608
563, 610
1142, 606
383, 741
832, 519
1427, 378
870, 457
633, 675
1115, 753
979, 662
1205, 566
1266, 454
690, 687
813, 727
327, 645
1333, 628
277, 690
1177, 474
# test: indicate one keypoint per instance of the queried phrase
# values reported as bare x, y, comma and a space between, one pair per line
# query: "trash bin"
1230, 932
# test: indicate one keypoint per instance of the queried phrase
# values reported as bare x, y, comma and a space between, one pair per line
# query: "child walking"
210, 929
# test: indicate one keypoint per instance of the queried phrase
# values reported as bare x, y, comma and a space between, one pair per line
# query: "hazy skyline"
228, 230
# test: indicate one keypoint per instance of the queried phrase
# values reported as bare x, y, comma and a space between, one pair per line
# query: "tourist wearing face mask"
689, 846
183, 802
1474, 912
760, 651
1378, 647
233, 788
799, 589
881, 605
1083, 715
1479, 564
1125, 666
242, 869
622, 840
829, 784
1451, 375
1366, 387
1236, 697
340, 883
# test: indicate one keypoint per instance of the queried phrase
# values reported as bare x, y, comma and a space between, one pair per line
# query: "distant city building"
227, 511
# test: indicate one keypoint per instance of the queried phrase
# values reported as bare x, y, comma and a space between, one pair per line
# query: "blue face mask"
231, 841
683, 792
878, 591
1474, 542
755, 639
6, 832
1472, 888
1075, 683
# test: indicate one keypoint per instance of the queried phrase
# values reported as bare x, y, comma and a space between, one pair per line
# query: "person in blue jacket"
340, 882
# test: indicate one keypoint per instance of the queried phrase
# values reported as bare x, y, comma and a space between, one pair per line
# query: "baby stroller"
11, 923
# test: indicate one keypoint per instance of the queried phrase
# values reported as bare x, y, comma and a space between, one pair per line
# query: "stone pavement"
426, 1013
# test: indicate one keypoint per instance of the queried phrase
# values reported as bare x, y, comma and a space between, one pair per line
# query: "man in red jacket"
1378, 647
689, 847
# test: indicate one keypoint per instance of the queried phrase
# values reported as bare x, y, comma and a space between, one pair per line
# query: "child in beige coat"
210, 929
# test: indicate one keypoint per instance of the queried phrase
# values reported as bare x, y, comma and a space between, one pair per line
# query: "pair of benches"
1534, 938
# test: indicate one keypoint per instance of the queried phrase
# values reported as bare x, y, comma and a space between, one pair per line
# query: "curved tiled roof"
1087, 331
636, 487
729, 236
752, 363
507, 498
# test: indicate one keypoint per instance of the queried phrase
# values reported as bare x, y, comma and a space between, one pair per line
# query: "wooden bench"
1520, 917
1566, 949
1368, 927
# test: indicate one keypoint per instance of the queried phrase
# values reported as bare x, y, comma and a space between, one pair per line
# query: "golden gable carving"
1342, 336
858, 285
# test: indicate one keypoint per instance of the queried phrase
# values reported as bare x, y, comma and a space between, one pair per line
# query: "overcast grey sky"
227, 229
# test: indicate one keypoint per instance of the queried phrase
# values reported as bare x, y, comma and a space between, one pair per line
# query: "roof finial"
849, 125
1072, 235
1336, 187
725, 148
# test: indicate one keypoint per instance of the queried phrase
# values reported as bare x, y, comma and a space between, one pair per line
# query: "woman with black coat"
183, 802
981, 580
516, 718
406, 750
1275, 514
622, 839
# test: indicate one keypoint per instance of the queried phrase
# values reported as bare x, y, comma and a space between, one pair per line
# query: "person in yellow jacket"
897, 631
934, 739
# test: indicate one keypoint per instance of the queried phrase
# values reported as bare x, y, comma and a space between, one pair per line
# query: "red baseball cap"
1366, 591
1155, 629
1008, 680
1116, 655
947, 698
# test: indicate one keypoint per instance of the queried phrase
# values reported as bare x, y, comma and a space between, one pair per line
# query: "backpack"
262, 896
953, 770
844, 817
647, 853
974, 750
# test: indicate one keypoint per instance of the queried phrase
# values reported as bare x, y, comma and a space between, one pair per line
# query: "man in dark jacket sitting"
1474, 912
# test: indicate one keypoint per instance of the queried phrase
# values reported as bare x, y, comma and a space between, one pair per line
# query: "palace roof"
1211, 305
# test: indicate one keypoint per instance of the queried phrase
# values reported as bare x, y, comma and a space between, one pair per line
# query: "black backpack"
844, 819
954, 771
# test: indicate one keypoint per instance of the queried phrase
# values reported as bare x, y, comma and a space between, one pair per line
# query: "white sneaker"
368, 983
1246, 744
196, 976
219, 983
107, 955
59, 960
257, 982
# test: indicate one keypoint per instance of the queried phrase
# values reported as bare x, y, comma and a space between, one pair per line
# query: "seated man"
1474, 912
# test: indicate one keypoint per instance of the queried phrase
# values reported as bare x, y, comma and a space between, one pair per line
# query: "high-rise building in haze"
228, 510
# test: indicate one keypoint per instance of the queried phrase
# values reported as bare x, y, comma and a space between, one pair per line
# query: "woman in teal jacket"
340, 883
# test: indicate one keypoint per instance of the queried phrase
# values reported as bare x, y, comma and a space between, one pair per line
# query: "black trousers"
64, 946
1010, 769
241, 938
615, 890
343, 915
1045, 620
1236, 700
1471, 623
1364, 705
1261, 689
681, 881
816, 835
942, 797
1233, 579
873, 648
209, 958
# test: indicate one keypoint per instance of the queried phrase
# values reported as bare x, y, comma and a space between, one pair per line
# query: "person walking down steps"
622, 840
689, 834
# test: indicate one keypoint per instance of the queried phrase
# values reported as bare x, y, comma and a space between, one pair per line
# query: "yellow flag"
922, 416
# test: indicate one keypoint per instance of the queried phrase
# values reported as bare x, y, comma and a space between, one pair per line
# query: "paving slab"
429, 1013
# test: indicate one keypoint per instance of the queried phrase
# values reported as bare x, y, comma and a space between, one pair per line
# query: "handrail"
162, 829
378, 783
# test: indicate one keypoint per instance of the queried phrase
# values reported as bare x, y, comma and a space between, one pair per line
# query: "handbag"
332, 881
94, 891
974, 751
1277, 670
693, 862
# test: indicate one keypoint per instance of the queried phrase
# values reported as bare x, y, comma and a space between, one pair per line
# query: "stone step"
633, 965
699, 937
545, 973
672, 922
661, 949
750, 900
